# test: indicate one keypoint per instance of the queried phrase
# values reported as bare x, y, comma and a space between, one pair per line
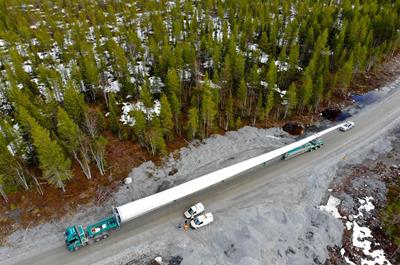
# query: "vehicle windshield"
197, 221
72, 241
190, 211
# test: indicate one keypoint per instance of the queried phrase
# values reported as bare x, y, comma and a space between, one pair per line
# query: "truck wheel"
97, 239
105, 236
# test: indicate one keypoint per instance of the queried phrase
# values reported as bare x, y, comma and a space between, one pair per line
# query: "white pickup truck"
196, 209
347, 126
202, 220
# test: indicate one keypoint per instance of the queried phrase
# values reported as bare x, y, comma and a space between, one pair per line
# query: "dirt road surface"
251, 205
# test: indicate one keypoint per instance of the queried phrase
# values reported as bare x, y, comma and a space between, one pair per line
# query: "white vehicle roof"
203, 217
209, 216
199, 207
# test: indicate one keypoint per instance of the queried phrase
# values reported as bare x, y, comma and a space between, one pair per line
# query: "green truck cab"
77, 237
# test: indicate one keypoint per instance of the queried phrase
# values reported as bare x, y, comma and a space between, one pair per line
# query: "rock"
164, 186
350, 218
331, 113
294, 128
158, 260
128, 180
172, 172
176, 260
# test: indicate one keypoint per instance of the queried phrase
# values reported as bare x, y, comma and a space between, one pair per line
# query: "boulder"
294, 128
128, 180
331, 113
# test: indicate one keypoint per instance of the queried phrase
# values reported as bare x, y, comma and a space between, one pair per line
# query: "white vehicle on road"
347, 126
202, 220
196, 209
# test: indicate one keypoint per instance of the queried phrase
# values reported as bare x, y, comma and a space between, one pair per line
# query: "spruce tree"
166, 118
208, 108
306, 92
242, 96
193, 122
139, 128
291, 97
146, 96
73, 141
74, 104
55, 167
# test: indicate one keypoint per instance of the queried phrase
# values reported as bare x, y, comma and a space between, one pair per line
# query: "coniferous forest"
149, 71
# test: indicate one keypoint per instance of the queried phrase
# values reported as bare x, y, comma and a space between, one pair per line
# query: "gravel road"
268, 215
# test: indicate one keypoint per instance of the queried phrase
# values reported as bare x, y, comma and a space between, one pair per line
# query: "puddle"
360, 101
367, 98
343, 116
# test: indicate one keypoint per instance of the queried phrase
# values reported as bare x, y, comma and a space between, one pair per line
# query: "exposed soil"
26, 208
371, 178
380, 75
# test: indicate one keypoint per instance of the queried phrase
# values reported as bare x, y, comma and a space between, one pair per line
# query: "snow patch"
361, 239
331, 207
113, 86
366, 205
127, 107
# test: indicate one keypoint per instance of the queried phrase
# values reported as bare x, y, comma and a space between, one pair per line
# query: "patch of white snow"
331, 207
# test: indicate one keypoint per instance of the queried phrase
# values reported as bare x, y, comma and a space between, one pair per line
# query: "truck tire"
97, 239
105, 236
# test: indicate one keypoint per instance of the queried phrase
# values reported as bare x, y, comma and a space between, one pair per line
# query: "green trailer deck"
101, 227
308, 147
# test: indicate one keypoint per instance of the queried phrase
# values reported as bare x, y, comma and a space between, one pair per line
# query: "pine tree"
173, 83
208, 108
193, 122
294, 59
318, 92
258, 115
269, 104
154, 138
55, 167
291, 96
271, 75
73, 141
2, 192
74, 104
114, 124
91, 72
242, 96
176, 111
145, 96
238, 123
344, 75
11, 155
139, 128
306, 92
271, 81
166, 118
229, 114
